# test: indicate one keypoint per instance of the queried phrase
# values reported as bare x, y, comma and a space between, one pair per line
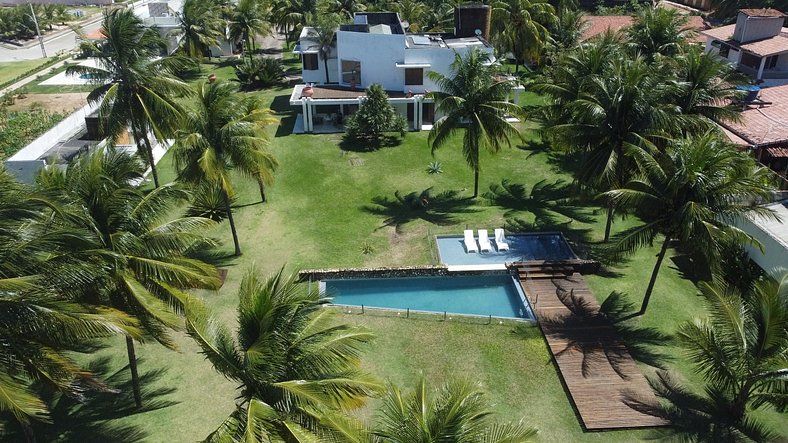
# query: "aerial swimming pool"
497, 295
550, 246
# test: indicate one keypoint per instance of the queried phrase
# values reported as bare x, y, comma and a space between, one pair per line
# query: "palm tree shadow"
439, 209
612, 342
95, 419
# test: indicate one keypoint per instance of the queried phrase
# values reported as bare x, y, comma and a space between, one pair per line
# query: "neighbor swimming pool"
483, 295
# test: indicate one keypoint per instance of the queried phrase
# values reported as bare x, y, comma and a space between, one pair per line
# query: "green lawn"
318, 216
11, 70
36, 87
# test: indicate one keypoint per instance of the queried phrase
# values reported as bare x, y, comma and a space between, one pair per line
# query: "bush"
259, 72
18, 128
375, 117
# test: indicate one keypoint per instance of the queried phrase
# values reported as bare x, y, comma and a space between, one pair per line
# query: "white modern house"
163, 16
377, 48
757, 44
76, 134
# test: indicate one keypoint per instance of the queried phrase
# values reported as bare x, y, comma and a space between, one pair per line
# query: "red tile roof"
598, 24
769, 46
766, 12
777, 152
767, 125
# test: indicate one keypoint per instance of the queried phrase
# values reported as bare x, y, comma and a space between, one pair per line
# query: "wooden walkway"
595, 365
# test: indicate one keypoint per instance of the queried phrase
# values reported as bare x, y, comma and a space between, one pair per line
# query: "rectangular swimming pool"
482, 295
522, 247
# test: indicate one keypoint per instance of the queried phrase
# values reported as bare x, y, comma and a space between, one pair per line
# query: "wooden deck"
594, 364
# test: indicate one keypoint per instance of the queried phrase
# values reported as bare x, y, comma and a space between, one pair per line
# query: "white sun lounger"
484, 241
470, 242
500, 240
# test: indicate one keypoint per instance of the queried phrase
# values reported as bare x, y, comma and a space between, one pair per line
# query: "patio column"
308, 117
416, 112
760, 69
304, 113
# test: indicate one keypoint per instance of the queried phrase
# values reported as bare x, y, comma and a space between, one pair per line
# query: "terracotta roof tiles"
765, 125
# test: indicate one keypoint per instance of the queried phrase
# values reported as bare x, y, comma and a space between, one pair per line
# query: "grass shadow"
95, 418
356, 145
437, 209
281, 106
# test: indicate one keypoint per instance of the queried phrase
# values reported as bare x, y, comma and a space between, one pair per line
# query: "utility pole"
38, 31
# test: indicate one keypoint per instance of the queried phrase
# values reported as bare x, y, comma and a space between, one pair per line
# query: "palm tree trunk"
325, 66
475, 182
149, 152
262, 191
609, 223
229, 210
654, 273
135, 376
30, 436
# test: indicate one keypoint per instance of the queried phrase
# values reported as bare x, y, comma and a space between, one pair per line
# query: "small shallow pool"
522, 247
483, 295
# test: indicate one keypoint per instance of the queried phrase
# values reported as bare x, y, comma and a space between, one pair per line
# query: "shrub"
259, 72
18, 128
375, 117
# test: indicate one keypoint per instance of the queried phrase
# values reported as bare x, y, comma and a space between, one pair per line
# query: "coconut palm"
39, 326
438, 18
658, 30
521, 27
705, 86
201, 27
455, 412
134, 89
322, 34
248, 20
297, 368
224, 132
692, 193
145, 255
411, 11
567, 29
625, 107
290, 15
345, 8
475, 102
741, 350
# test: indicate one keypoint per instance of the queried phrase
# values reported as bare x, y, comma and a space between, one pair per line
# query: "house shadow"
601, 335
438, 209
281, 107
96, 418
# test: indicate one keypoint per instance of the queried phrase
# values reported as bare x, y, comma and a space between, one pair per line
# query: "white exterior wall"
377, 53
774, 258
756, 28
440, 60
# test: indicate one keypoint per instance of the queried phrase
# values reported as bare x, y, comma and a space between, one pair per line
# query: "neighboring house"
763, 129
773, 237
377, 48
77, 133
757, 44
56, 2
164, 16
598, 24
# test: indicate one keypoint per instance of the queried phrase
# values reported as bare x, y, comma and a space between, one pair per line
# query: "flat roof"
777, 229
765, 125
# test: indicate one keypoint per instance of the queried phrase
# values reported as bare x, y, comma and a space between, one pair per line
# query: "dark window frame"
412, 79
313, 64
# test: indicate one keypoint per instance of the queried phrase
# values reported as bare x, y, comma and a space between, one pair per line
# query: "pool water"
522, 247
482, 295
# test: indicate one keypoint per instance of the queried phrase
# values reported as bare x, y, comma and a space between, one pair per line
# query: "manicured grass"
317, 216
37, 88
11, 70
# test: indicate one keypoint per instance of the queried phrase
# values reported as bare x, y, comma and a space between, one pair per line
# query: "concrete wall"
756, 28
377, 53
440, 60
774, 258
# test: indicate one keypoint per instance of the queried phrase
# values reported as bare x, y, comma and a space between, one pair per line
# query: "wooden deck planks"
594, 363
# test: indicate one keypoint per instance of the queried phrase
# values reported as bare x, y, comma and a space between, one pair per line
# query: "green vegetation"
12, 71
18, 128
374, 118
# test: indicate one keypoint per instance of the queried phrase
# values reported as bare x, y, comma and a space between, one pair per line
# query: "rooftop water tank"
470, 18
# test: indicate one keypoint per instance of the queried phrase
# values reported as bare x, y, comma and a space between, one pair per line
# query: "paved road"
64, 42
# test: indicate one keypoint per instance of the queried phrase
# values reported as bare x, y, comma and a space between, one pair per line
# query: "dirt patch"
65, 102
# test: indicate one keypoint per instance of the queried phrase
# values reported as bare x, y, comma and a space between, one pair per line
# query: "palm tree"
741, 350
658, 30
623, 108
144, 254
290, 15
705, 85
39, 326
693, 193
225, 131
568, 28
135, 90
201, 27
296, 367
411, 11
345, 8
438, 18
521, 27
456, 412
247, 22
322, 34
473, 99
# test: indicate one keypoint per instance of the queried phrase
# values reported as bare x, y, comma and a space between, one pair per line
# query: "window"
310, 62
724, 49
771, 62
351, 72
753, 61
414, 76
